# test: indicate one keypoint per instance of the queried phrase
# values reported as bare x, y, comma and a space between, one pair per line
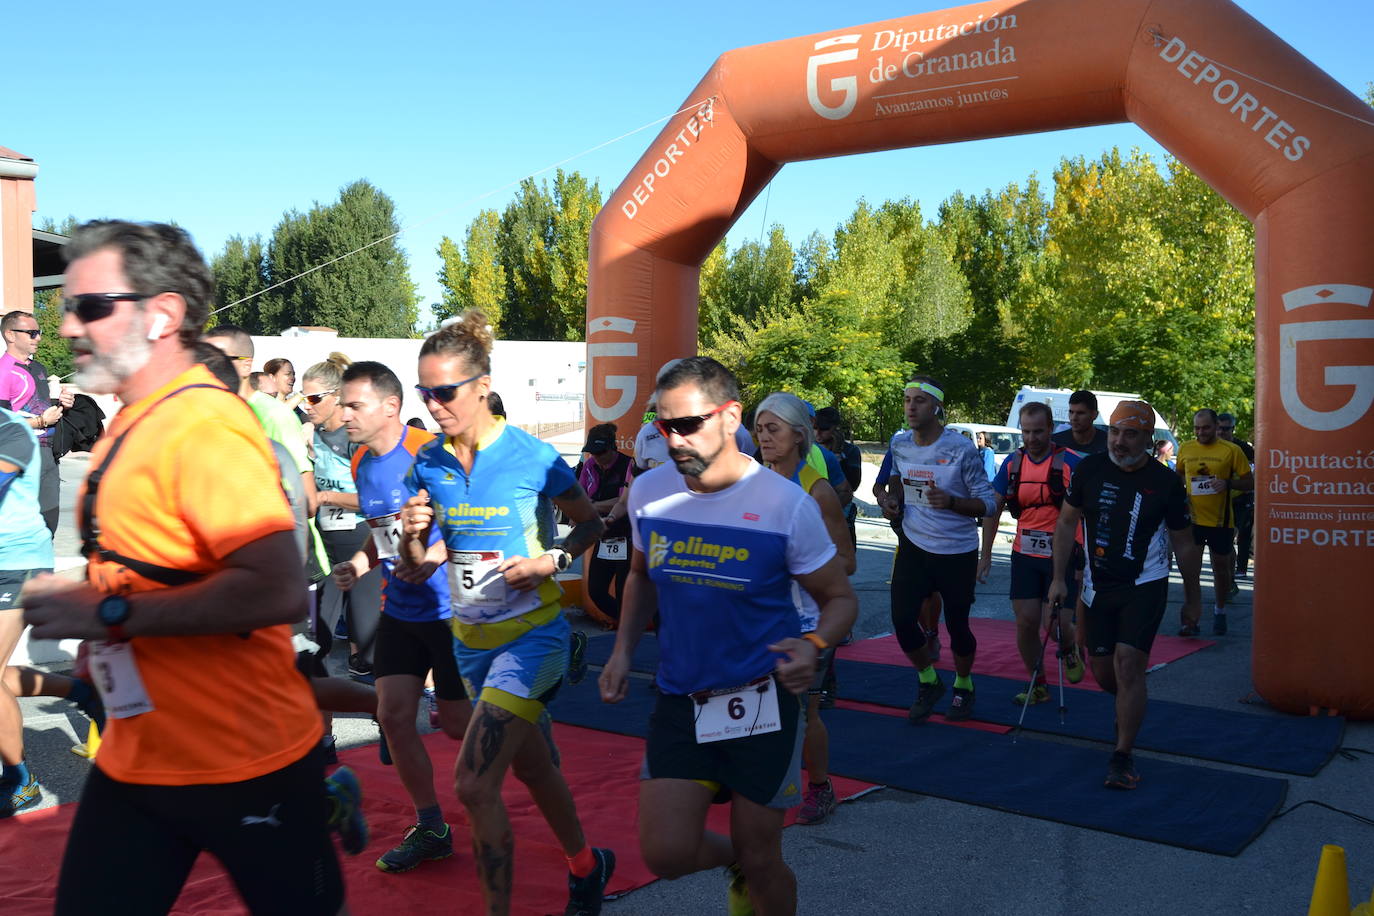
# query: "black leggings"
600, 574
131, 847
918, 573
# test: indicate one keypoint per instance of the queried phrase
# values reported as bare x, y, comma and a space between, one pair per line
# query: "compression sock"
582, 864
963, 682
928, 675
431, 818
17, 773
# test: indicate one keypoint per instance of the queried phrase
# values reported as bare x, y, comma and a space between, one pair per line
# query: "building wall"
16, 244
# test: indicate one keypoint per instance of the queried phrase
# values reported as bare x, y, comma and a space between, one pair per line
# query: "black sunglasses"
34, 333
90, 307
317, 398
686, 426
444, 393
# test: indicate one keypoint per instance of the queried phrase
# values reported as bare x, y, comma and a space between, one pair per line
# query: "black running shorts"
1031, 578
1220, 541
415, 647
131, 847
12, 583
1129, 615
766, 769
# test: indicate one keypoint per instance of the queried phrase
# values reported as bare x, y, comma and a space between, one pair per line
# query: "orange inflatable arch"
1283, 142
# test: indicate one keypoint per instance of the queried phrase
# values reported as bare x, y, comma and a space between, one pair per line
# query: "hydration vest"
1055, 483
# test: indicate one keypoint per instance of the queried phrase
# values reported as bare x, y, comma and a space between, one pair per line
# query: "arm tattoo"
495, 866
490, 737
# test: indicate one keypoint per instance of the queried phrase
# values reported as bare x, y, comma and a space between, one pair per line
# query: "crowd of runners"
232, 525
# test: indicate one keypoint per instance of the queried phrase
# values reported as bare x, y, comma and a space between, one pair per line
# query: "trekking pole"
1035, 674
1059, 638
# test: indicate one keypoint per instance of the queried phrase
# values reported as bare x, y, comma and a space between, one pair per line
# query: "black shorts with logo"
1129, 615
766, 769
12, 583
415, 647
1031, 578
1219, 541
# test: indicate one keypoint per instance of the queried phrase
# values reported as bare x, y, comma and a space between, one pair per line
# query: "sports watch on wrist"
561, 558
113, 611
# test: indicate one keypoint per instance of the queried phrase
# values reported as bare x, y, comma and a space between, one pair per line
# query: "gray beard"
105, 373
1129, 464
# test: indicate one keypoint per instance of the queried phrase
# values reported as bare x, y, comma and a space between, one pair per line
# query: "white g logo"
849, 85
625, 384
1360, 377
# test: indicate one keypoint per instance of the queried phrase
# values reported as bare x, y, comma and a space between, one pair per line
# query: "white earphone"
158, 326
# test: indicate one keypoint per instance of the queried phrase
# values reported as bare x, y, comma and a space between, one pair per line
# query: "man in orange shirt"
192, 585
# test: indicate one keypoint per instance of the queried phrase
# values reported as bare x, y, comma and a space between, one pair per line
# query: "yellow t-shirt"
1201, 466
195, 482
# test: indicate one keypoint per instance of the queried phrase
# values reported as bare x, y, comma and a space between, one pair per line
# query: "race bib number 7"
473, 578
915, 484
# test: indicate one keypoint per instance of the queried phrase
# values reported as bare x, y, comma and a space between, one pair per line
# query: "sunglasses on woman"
444, 394
686, 426
316, 398
90, 307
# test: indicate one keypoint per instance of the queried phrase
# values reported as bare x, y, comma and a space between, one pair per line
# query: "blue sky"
223, 116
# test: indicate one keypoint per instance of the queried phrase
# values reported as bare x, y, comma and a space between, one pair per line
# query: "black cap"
598, 445
827, 418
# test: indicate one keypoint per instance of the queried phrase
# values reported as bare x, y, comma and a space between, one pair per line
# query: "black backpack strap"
90, 524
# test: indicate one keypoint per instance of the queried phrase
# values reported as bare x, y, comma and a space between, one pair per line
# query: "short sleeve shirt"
282, 425
722, 565
1126, 514
1064, 439
1200, 465
503, 508
951, 463
25, 542
195, 482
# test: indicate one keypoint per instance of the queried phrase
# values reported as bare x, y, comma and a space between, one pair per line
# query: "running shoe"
1188, 629
418, 845
1073, 665
16, 797
432, 704
737, 902
577, 657
933, 644
960, 706
1040, 693
1218, 624
1121, 772
92, 707
360, 670
1242, 574
330, 750
926, 698
585, 894
817, 803
346, 809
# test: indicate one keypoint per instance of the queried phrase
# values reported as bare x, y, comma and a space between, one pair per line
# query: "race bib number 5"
116, 676
473, 580
738, 712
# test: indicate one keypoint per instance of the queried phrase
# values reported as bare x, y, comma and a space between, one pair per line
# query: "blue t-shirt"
502, 509
722, 565
25, 542
381, 493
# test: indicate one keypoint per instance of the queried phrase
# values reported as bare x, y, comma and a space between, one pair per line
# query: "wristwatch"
113, 611
561, 558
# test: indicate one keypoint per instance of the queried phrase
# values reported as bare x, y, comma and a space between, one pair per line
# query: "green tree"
473, 276
368, 293
753, 280
53, 350
240, 272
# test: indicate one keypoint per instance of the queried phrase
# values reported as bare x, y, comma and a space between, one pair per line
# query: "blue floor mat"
1193, 807
1283, 744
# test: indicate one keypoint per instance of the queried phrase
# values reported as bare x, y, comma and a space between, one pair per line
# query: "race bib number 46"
738, 712
1204, 486
473, 580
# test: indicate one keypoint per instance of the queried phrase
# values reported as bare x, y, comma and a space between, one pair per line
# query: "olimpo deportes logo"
1360, 377
847, 86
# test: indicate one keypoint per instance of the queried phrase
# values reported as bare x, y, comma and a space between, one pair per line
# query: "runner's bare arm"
835, 597
587, 526
262, 584
989, 535
637, 608
341, 499
1065, 532
833, 516
417, 515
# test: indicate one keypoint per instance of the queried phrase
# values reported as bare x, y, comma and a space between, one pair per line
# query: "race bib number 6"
738, 712
473, 580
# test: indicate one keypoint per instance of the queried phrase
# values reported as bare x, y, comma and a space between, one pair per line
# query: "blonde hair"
468, 337
328, 373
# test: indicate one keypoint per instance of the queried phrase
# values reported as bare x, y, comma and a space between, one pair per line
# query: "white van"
1058, 399
1002, 439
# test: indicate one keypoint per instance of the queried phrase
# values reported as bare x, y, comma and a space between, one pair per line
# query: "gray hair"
791, 410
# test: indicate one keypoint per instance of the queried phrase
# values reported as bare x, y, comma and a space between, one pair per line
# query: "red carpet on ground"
997, 655
602, 770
